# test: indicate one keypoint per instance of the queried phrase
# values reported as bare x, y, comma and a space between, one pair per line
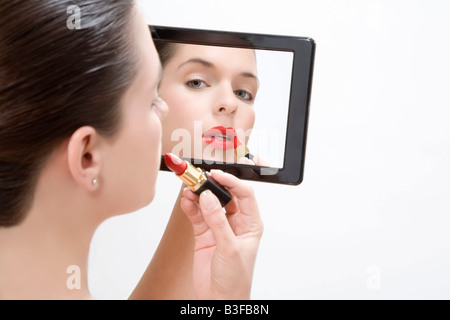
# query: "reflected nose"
227, 110
227, 103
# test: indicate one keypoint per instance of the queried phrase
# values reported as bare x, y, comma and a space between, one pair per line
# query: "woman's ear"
84, 158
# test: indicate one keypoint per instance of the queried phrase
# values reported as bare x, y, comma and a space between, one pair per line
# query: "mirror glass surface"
238, 102
226, 105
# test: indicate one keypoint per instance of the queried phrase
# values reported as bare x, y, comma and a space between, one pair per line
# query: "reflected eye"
244, 95
196, 84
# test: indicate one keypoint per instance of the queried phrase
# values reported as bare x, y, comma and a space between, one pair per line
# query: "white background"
268, 138
371, 219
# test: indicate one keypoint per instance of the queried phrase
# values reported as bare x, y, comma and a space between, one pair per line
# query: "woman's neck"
42, 265
45, 257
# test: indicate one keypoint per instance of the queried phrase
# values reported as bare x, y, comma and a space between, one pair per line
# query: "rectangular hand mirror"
237, 102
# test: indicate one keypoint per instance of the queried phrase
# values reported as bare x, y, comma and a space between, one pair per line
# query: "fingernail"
207, 200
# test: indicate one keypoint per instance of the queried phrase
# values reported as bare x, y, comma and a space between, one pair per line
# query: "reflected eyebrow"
250, 75
208, 64
205, 63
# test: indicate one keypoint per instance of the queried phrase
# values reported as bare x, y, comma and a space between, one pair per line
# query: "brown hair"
166, 50
55, 79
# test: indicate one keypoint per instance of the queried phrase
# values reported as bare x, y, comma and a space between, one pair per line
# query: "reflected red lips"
220, 137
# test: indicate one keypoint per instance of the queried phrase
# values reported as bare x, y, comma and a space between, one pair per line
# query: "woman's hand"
225, 243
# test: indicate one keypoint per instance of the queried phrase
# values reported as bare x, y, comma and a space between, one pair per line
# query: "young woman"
80, 141
211, 92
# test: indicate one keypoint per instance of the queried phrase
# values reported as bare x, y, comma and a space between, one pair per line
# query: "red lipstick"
195, 178
175, 164
220, 137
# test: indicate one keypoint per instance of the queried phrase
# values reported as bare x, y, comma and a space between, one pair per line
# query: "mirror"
238, 102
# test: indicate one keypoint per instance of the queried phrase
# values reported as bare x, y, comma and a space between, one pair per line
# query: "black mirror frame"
301, 85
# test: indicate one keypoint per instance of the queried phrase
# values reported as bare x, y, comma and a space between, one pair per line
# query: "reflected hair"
166, 50
54, 80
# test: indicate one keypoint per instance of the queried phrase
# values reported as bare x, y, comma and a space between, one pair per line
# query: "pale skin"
68, 207
208, 86
213, 86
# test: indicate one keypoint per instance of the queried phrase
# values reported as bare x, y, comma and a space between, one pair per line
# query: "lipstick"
241, 149
196, 179
220, 137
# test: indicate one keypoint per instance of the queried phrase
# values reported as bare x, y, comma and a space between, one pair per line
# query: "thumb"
215, 218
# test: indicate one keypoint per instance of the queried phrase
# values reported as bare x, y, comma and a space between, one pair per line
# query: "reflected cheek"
252, 119
246, 122
184, 111
247, 118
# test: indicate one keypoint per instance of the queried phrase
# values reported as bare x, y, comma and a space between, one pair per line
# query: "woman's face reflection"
210, 92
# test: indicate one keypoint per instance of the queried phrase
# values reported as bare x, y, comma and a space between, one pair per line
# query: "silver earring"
95, 182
